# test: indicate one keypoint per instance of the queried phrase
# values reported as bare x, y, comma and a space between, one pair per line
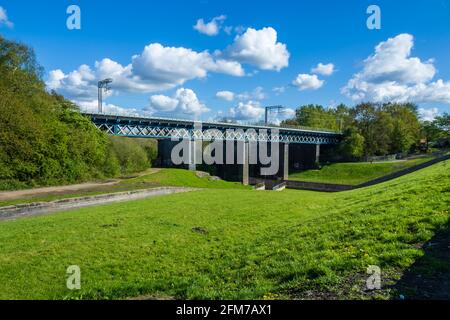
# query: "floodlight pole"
102, 85
268, 109
100, 98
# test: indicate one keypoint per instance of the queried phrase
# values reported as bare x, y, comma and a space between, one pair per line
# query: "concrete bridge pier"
286, 162
317, 154
195, 154
245, 164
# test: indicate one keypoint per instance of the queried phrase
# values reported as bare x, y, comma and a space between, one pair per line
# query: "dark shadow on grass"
429, 277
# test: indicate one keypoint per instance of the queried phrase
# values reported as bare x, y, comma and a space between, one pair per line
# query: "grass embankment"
229, 243
153, 178
355, 173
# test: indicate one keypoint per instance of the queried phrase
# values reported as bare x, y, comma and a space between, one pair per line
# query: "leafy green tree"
352, 145
314, 116
132, 157
406, 126
443, 122
45, 140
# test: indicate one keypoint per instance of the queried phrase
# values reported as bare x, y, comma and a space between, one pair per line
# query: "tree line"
372, 129
44, 140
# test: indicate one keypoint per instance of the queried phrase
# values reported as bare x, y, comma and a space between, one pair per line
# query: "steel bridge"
166, 128
300, 147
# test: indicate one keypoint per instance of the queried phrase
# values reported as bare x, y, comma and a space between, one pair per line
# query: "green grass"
354, 173
228, 244
182, 178
164, 177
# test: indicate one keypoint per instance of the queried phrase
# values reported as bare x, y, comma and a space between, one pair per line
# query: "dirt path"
26, 210
18, 194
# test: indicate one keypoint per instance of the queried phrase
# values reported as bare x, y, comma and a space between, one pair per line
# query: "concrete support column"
286, 162
195, 154
245, 165
317, 153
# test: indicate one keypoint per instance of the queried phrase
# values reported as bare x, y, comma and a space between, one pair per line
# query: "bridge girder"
136, 131
184, 129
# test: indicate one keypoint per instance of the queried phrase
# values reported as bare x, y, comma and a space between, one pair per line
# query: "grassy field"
151, 179
228, 244
354, 173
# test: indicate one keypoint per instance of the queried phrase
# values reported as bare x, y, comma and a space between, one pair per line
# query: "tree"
443, 122
315, 116
44, 139
352, 145
406, 126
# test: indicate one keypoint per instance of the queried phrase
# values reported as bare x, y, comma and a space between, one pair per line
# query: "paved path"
26, 210
18, 194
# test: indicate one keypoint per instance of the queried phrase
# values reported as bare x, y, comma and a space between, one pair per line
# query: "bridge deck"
166, 128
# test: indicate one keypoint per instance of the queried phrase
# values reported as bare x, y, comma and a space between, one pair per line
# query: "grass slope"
152, 179
229, 243
182, 178
354, 173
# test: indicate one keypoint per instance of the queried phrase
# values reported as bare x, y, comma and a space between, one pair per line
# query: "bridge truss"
160, 128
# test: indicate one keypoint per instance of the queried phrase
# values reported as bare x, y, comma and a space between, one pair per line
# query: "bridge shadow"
429, 277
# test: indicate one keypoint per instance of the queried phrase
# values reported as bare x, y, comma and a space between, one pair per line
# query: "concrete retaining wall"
23, 210
327, 187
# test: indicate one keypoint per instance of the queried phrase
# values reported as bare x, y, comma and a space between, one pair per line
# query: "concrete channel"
32, 209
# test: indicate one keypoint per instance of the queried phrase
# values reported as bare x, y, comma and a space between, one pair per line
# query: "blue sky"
243, 58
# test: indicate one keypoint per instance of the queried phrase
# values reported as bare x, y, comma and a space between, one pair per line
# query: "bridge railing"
296, 127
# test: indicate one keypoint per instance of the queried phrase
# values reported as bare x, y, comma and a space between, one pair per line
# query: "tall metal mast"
270, 108
102, 85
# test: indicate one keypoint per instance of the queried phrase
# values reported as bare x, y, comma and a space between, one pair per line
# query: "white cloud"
184, 101
279, 90
259, 48
92, 106
176, 65
76, 85
323, 69
163, 103
308, 82
157, 68
257, 94
211, 28
4, 20
225, 95
250, 110
428, 114
391, 74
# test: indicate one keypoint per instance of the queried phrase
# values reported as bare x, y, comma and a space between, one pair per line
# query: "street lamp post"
103, 85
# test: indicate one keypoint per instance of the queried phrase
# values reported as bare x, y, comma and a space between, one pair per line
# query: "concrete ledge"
279, 187
260, 186
313, 186
329, 187
23, 210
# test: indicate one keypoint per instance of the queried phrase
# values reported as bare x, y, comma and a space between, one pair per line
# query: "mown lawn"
229, 244
354, 173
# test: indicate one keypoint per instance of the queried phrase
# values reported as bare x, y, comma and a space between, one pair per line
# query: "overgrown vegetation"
201, 245
375, 129
44, 140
